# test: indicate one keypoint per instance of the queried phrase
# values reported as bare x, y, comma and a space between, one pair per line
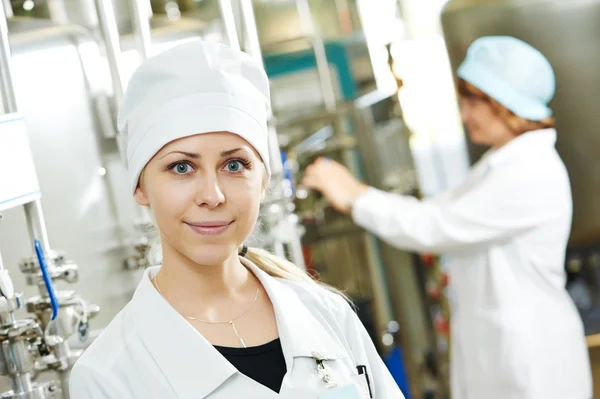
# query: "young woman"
215, 321
516, 334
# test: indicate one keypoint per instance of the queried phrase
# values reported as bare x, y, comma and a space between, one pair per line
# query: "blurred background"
369, 83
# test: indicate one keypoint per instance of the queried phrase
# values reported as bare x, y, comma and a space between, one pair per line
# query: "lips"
210, 228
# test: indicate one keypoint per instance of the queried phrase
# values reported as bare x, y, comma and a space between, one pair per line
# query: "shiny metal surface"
37, 43
229, 24
78, 12
20, 340
306, 21
366, 137
110, 35
38, 391
7, 92
17, 361
8, 10
277, 211
65, 142
66, 322
568, 33
141, 12
36, 223
250, 32
281, 28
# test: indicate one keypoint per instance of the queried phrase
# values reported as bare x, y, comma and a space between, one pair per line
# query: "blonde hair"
515, 123
278, 267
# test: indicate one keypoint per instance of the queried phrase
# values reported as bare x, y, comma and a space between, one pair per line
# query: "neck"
186, 284
505, 140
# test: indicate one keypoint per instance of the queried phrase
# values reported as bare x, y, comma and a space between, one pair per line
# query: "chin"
477, 139
211, 254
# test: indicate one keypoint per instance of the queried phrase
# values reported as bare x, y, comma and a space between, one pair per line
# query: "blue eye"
182, 168
234, 166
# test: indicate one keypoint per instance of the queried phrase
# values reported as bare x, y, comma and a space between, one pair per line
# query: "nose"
208, 192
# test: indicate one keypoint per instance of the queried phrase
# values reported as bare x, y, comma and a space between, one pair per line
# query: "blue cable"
47, 279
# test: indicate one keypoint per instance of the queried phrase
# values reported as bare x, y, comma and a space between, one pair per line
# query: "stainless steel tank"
568, 33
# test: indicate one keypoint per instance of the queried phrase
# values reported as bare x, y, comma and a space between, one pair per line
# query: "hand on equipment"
335, 182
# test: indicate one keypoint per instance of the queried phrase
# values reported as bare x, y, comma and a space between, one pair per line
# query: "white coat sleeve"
501, 205
89, 383
382, 383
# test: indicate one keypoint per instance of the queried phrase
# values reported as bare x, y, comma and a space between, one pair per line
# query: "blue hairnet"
513, 73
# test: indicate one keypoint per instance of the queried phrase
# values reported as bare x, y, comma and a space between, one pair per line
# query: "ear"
263, 194
140, 197
263, 188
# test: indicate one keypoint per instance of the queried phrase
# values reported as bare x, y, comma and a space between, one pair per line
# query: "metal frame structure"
36, 345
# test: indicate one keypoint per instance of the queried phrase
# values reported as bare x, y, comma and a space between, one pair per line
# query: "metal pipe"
250, 34
297, 254
229, 24
8, 10
306, 20
22, 383
110, 33
342, 9
63, 351
141, 11
37, 225
252, 47
9, 99
58, 11
33, 210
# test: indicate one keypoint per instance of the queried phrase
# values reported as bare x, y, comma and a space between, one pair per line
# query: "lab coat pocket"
333, 372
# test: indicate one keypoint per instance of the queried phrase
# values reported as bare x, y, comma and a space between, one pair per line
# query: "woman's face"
484, 125
205, 192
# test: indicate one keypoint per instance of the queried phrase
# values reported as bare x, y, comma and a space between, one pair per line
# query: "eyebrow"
229, 152
195, 155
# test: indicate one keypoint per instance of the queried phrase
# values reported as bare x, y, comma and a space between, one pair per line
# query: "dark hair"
515, 123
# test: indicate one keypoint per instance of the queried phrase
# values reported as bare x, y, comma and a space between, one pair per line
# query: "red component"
428, 259
442, 325
310, 264
445, 279
433, 290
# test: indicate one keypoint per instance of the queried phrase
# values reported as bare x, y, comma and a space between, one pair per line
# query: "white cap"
513, 73
197, 87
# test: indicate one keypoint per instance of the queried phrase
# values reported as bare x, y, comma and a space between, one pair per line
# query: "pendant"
237, 334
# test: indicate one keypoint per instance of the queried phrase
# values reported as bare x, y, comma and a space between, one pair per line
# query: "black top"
265, 364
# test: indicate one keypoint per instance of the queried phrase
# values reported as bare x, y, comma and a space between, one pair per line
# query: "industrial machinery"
567, 32
62, 317
22, 341
347, 114
40, 344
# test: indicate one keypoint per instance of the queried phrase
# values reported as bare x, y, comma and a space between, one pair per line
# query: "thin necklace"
231, 322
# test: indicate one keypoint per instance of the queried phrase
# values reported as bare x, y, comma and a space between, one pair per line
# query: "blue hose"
47, 279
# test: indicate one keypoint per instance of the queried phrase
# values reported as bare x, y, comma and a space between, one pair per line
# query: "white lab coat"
150, 352
516, 333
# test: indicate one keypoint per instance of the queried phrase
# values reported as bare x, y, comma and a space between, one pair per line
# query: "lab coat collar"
192, 365
527, 142
302, 335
